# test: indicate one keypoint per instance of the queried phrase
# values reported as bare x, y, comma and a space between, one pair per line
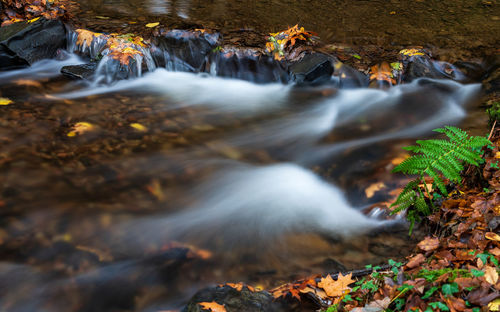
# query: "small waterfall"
118, 57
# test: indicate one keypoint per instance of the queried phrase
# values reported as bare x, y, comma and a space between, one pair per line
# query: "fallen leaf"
139, 127
336, 288
5, 101
212, 306
415, 261
374, 306
491, 275
80, 128
151, 25
495, 251
492, 236
494, 305
28, 82
429, 244
373, 188
155, 189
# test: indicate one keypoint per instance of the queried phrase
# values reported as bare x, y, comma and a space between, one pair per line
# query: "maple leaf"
212, 306
85, 36
336, 288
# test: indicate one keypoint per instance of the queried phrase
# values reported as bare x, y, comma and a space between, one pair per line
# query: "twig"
358, 273
492, 128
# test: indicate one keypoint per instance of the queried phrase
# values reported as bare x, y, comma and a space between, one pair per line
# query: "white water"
258, 202
237, 208
42, 69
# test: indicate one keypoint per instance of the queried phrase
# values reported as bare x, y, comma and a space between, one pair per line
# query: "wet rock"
314, 68
247, 64
349, 77
418, 64
82, 71
236, 301
184, 50
22, 44
491, 82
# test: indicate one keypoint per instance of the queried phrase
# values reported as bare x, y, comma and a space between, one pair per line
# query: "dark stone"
184, 50
236, 301
82, 71
247, 64
22, 44
418, 66
314, 68
349, 77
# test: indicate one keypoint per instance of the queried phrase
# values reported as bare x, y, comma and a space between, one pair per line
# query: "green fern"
436, 159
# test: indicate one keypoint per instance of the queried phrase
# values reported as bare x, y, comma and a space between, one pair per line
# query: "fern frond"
437, 159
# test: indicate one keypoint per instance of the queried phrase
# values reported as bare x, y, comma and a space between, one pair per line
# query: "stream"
184, 180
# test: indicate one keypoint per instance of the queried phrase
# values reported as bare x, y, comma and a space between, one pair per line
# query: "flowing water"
186, 180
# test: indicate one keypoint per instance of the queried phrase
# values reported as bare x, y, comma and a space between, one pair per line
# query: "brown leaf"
415, 261
491, 275
465, 282
212, 306
429, 244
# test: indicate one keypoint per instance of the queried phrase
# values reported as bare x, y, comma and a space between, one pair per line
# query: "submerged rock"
23, 43
313, 68
82, 71
247, 64
236, 300
184, 50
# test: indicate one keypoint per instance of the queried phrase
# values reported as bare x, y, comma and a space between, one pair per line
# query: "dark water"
186, 180
461, 26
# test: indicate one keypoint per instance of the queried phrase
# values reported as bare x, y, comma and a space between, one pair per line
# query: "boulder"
82, 71
235, 300
417, 63
313, 68
23, 43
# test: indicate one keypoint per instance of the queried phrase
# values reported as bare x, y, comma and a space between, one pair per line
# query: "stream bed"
131, 195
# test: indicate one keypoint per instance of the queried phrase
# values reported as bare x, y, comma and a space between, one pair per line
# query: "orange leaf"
336, 288
212, 306
415, 261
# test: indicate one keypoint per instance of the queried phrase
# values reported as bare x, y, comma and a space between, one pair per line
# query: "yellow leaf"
492, 236
373, 188
150, 25
5, 101
491, 275
494, 305
80, 128
155, 189
139, 127
33, 20
212, 306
